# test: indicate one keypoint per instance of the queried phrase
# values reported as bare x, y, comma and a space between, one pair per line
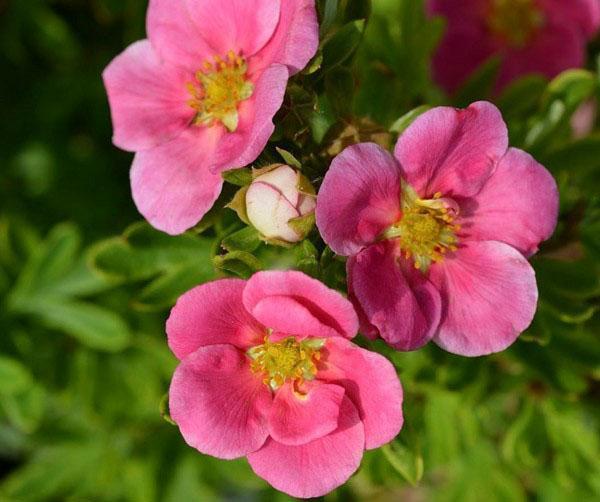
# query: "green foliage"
84, 364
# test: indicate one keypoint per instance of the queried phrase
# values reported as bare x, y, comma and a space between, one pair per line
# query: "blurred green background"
85, 287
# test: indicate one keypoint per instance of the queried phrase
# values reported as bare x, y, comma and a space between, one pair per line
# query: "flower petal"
147, 98
558, 47
175, 36
212, 314
585, 14
220, 406
284, 179
240, 148
490, 296
315, 468
518, 205
452, 151
296, 420
296, 39
189, 32
371, 382
172, 184
292, 303
359, 198
464, 48
269, 212
396, 299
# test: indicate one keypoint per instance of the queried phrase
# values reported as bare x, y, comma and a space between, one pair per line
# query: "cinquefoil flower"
199, 95
438, 234
529, 36
268, 372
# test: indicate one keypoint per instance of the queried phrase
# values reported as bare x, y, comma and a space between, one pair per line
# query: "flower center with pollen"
515, 21
286, 360
426, 231
218, 90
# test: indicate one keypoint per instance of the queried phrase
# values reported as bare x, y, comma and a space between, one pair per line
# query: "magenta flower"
198, 97
267, 371
529, 36
438, 235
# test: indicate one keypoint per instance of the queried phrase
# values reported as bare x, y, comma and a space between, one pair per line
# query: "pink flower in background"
267, 371
199, 95
438, 235
530, 36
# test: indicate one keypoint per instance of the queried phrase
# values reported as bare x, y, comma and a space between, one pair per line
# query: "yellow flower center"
286, 360
426, 231
218, 90
515, 21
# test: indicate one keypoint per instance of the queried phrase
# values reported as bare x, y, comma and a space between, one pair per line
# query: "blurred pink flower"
438, 235
267, 371
530, 36
584, 118
199, 95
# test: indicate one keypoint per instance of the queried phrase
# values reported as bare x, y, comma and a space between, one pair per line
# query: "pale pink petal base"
315, 468
490, 297
359, 198
295, 304
212, 314
371, 382
452, 151
220, 406
518, 205
270, 211
297, 419
396, 298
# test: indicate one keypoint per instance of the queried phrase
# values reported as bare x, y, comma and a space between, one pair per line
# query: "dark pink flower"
198, 97
530, 36
438, 235
267, 371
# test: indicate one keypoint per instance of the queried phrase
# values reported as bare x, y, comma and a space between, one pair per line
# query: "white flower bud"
275, 204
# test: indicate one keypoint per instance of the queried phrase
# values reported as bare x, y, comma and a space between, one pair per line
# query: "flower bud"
280, 204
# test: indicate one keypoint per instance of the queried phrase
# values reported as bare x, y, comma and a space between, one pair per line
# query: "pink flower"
198, 97
529, 36
438, 235
268, 372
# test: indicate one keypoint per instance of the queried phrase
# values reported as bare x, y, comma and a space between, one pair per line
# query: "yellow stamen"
286, 360
426, 231
218, 90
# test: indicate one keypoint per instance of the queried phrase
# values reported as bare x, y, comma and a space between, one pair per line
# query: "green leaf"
239, 263
49, 263
247, 239
408, 464
92, 325
14, 377
25, 408
303, 224
238, 177
408, 118
288, 158
340, 47
339, 87
238, 204
143, 253
163, 292
164, 409
54, 472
